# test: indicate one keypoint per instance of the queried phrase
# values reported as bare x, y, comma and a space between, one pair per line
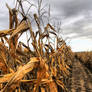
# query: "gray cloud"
81, 28
69, 8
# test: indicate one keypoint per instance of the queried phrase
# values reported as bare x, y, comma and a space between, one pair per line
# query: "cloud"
80, 25
69, 8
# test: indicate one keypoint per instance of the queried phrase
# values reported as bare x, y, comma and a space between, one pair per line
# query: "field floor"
81, 78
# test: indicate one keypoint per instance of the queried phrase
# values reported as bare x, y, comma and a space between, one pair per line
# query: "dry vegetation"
40, 68
85, 58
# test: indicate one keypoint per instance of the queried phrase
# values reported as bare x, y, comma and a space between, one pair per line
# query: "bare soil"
80, 79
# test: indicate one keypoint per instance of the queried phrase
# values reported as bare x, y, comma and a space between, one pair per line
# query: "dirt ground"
80, 79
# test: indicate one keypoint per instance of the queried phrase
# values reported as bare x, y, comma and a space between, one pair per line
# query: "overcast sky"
75, 16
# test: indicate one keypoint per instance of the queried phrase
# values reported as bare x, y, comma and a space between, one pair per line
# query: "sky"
75, 17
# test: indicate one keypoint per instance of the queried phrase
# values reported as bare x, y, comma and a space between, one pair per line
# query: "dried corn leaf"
6, 32
21, 28
53, 87
19, 74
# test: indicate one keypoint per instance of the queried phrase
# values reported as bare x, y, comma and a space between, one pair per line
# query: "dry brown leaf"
19, 74
53, 87
6, 32
20, 28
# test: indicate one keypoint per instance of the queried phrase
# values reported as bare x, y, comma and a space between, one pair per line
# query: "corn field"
40, 66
